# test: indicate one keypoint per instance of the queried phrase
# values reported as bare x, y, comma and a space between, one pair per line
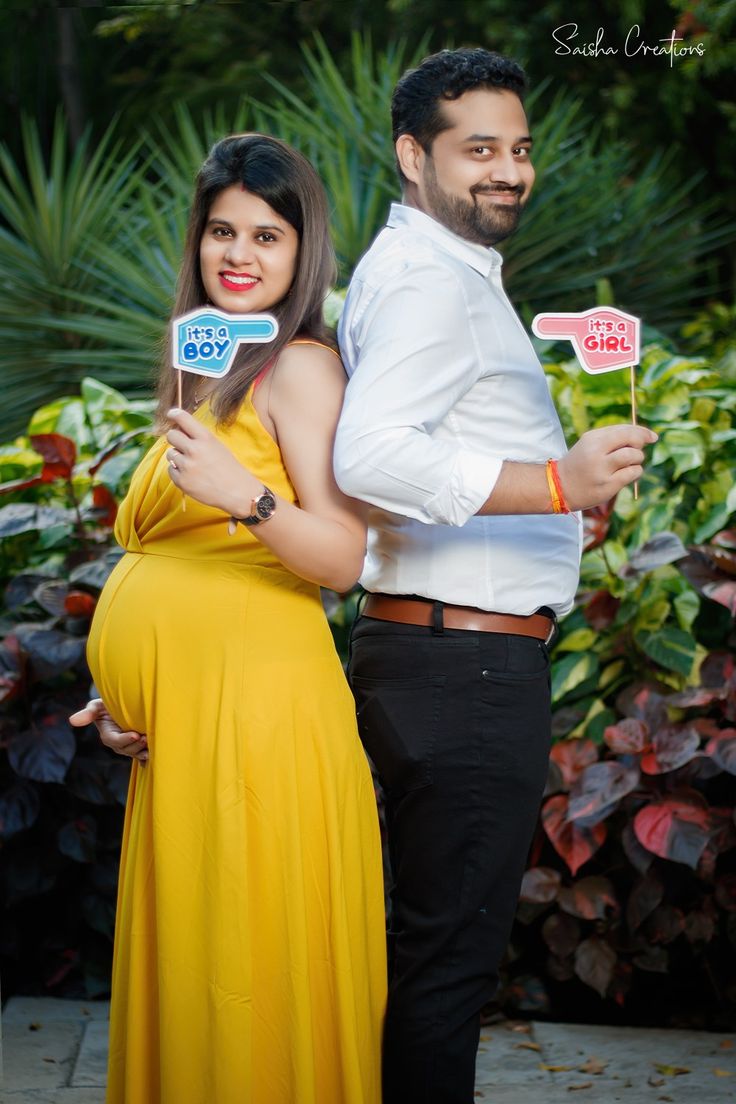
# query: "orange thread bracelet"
559, 506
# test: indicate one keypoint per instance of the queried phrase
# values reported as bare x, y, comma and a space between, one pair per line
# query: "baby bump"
165, 631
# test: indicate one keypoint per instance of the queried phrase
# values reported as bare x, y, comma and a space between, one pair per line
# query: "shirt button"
486, 674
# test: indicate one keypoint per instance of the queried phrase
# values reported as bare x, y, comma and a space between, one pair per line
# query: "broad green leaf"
687, 607
570, 672
577, 641
672, 648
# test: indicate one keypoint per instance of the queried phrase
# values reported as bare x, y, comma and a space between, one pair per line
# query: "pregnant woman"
249, 957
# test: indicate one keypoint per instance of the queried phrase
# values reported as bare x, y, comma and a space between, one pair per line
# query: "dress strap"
259, 378
319, 344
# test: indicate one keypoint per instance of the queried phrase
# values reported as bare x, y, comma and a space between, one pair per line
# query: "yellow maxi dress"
249, 963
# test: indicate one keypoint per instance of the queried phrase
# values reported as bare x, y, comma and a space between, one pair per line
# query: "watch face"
265, 505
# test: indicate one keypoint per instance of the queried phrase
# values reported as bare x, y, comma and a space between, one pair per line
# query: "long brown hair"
285, 180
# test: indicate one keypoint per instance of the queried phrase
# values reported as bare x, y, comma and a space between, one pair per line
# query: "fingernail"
174, 411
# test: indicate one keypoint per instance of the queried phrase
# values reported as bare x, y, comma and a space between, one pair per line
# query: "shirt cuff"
472, 480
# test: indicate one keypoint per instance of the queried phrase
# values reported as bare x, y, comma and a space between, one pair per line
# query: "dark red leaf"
26, 874
596, 523
590, 899
697, 696
50, 651
722, 749
717, 668
99, 781
700, 927
706, 868
572, 757
11, 669
115, 446
20, 484
27, 517
621, 983
672, 747
726, 892
645, 703
19, 808
673, 829
69, 963
564, 720
663, 548
104, 500
707, 575
723, 830
644, 898
555, 783
561, 933
79, 604
78, 839
59, 455
601, 609
50, 595
598, 790
21, 588
43, 753
540, 884
638, 856
665, 924
627, 737
560, 969
725, 539
575, 845
595, 961
654, 959
528, 994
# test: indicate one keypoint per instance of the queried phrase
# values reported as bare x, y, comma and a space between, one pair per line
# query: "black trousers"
457, 724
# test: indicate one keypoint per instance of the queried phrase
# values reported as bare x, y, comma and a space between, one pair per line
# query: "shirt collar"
480, 257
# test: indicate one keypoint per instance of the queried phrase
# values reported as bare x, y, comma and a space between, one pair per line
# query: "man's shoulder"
399, 251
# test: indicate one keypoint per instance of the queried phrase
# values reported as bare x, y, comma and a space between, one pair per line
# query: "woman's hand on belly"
132, 744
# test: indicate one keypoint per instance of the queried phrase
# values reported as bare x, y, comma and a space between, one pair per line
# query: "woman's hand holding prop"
205, 342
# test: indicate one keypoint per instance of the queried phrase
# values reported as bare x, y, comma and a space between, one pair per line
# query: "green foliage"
91, 243
632, 871
344, 128
60, 791
55, 216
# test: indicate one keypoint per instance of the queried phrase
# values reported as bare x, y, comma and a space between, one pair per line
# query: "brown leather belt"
411, 611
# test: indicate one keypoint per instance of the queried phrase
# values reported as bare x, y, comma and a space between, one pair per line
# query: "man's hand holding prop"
604, 339
205, 341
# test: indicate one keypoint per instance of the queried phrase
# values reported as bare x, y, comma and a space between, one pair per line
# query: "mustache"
511, 189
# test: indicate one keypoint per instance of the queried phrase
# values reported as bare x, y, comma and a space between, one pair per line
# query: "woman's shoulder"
307, 366
308, 356
311, 346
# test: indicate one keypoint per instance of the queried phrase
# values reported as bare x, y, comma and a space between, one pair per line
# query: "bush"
631, 889
630, 895
90, 244
61, 793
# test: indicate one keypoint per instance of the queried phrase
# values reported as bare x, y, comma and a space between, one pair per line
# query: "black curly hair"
416, 104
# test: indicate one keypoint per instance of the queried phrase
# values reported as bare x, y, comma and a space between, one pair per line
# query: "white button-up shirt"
444, 386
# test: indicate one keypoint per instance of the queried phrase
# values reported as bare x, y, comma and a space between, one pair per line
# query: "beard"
485, 224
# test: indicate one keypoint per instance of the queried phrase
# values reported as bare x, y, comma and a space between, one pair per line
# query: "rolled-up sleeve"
411, 351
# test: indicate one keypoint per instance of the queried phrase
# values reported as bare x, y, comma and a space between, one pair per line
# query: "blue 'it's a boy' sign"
206, 340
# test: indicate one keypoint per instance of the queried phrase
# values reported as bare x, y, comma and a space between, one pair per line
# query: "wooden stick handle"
633, 419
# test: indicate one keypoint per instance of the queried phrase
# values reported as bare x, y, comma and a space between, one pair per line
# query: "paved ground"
55, 1053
